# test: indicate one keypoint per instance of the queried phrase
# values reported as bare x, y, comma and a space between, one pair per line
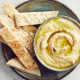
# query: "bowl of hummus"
57, 43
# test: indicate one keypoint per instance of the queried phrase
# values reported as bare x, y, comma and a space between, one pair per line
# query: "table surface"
7, 74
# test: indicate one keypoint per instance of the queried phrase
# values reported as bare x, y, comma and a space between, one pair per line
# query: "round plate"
35, 6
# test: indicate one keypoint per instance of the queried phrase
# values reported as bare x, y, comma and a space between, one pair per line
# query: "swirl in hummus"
57, 43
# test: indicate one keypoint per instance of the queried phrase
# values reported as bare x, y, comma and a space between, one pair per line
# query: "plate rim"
2, 44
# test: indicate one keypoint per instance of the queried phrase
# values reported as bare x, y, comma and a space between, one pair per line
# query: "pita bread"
2, 40
25, 38
30, 29
15, 63
18, 48
10, 10
27, 32
33, 18
11, 13
6, 21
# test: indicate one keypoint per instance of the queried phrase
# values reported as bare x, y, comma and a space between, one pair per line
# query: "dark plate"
40, 5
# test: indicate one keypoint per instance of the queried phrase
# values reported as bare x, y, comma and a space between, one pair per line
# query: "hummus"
57, 43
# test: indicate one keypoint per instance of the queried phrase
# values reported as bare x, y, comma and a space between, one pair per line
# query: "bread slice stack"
18, 33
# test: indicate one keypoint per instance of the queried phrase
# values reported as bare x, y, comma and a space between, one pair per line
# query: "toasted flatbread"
3, 22
30, 29
15, 63
18, 48
7, 7
25, 38
33, 18
10, 10
6, 21
2, 40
